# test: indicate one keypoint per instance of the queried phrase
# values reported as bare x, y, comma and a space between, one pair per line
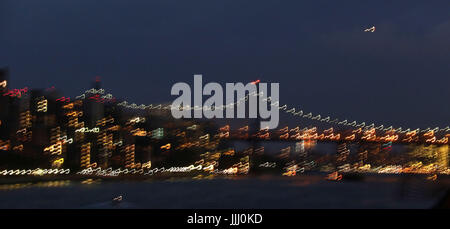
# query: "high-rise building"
95, 108
442, 156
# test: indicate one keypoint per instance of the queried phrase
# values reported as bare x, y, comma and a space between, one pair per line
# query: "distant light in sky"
372, 29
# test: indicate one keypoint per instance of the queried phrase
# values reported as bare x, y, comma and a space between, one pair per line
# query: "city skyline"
97, 130
224, 112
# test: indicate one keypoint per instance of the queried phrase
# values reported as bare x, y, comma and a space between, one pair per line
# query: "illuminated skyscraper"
442, 156
95, 107
129, 156
85, 160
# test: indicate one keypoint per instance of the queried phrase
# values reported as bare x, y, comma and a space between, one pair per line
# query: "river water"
266, 192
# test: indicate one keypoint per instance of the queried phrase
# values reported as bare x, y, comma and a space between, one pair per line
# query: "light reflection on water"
300, 180
42, 184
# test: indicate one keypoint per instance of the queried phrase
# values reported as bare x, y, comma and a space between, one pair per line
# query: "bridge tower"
255, 124
254, 127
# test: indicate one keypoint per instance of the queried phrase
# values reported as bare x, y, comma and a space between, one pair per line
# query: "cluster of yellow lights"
68, 106
166, 146
104, 121
42, 105
293, 170
58, 163
25, 119
209, 161
129, 157
139, 132
55, 148
4, 83
75, 113
85, 155
147, 165
238, 168
106, 141
417, 168
328, 135
137, 120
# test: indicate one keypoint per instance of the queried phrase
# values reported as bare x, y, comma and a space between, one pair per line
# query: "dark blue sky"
316, 50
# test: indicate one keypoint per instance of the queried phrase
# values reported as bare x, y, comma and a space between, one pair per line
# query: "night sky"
317, 50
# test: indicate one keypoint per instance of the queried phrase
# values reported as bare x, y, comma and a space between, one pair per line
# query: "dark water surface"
311, 191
